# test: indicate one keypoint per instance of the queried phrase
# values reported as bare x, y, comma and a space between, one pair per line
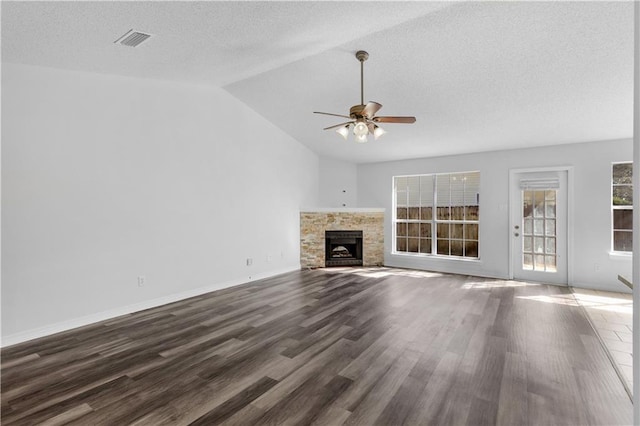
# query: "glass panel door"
539, 226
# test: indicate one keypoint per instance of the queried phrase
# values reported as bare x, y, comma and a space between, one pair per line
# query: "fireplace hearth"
343, 248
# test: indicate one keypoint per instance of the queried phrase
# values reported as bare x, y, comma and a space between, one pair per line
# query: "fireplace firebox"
343, 248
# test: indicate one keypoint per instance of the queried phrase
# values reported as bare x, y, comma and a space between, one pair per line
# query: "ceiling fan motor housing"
356, 111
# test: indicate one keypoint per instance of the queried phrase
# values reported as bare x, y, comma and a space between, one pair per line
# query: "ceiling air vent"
132, 38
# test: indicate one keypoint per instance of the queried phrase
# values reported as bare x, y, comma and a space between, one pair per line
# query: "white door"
539, 226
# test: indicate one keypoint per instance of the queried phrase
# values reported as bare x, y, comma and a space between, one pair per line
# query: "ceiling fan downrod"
362, 56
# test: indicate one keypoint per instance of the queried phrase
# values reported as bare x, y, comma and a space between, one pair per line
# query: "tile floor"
611, 314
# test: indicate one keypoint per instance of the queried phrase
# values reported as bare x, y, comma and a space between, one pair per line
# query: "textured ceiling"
478, 76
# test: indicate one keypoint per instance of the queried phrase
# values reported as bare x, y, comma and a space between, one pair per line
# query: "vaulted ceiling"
478, 76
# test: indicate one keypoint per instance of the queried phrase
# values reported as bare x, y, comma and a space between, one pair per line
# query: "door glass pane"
550, 227
528, 226
538, 227
538, 244
527, 245
550, 246
550, 262
550, 209
538, 203
539, 262
527, 204
527, 262
413, 244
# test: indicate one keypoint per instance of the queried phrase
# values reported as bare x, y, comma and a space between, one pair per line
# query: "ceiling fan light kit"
343, 131
363, 118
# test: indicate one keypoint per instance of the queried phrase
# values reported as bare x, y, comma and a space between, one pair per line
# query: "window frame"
615, 207
435, 221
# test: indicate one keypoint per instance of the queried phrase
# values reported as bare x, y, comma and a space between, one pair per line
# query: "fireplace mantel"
315, 221
342, 210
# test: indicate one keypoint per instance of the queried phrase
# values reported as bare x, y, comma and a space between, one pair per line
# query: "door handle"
516, 234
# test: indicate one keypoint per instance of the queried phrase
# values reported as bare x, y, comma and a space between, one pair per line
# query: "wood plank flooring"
327, 347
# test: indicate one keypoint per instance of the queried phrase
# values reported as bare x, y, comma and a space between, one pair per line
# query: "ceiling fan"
362, 116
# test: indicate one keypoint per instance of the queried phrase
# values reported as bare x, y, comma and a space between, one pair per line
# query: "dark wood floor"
334, 346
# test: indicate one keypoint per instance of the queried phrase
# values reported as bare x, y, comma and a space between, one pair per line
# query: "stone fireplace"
317, 251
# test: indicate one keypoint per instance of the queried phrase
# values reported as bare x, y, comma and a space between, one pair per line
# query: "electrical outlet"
249, 261
141, 281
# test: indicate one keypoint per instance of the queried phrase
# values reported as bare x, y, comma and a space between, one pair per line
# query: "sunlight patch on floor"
605, 303
381, 272
496, 284
559, 299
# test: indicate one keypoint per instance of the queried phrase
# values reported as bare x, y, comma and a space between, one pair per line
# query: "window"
622, 206
437, 214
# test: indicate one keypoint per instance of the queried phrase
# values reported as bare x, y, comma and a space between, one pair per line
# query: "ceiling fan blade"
370, 109
338, 125
328, 113
394, 119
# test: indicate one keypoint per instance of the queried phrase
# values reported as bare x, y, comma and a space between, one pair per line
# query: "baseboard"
616, 287
48, 330
469, 267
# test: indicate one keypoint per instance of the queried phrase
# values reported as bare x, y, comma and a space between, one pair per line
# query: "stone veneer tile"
314, 224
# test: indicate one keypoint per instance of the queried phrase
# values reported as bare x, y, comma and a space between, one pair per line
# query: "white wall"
593, 266
338, 183
108, 178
